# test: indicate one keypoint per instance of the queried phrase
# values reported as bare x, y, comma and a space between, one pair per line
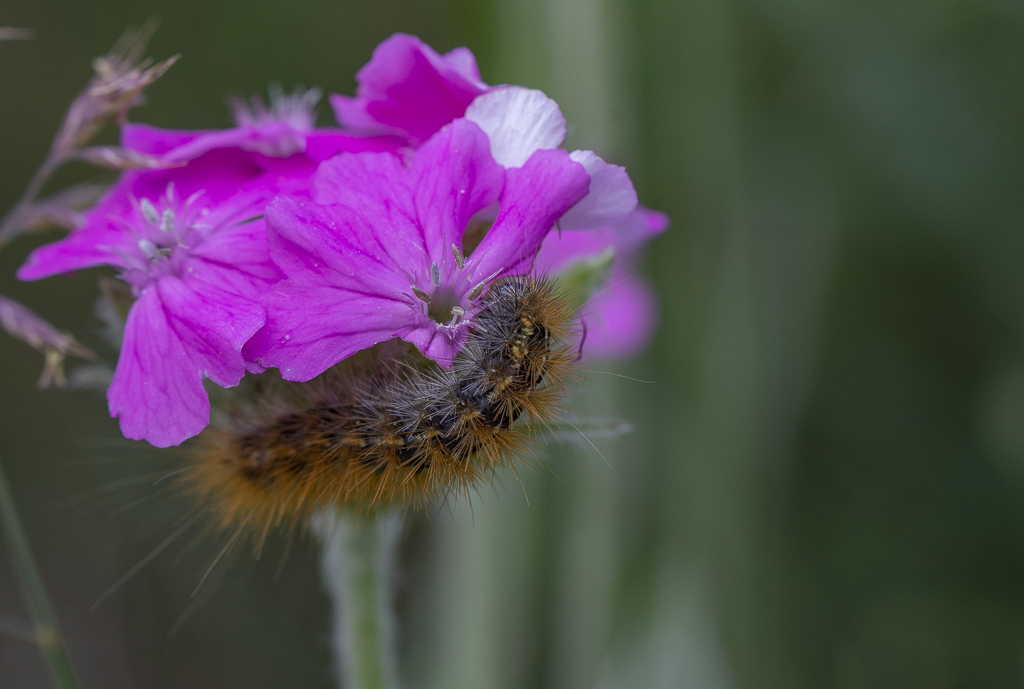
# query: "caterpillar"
385, 429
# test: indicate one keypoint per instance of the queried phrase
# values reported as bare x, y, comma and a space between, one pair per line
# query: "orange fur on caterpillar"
390, 428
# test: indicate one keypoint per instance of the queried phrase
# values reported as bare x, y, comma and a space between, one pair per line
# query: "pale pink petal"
611, 199
351, 113
562, 248
518, 121
157, 390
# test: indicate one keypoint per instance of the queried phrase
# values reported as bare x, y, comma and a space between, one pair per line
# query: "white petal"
611, 197
518, 121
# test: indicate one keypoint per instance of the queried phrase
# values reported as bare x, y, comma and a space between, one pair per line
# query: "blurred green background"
825, 487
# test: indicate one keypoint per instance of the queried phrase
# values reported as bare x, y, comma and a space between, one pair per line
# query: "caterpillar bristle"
389, 427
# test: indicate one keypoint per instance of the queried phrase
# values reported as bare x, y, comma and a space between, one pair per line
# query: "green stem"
47, 633
358, 560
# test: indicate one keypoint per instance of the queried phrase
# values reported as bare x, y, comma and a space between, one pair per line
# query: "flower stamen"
423, 296
460, 260
475, 293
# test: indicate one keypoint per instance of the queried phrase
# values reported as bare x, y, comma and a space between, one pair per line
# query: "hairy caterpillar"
379, 430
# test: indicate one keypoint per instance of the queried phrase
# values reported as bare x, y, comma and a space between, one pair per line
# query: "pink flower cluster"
278, 244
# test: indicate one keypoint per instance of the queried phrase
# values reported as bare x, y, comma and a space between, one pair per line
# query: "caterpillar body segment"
388, 427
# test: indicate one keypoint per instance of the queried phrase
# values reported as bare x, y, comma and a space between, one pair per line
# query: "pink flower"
378, 252
190, 241
409, 90
196, 270
218, 163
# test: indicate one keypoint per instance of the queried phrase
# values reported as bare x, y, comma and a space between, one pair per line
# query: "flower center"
448, 303
444, 308
163, 238
442, 301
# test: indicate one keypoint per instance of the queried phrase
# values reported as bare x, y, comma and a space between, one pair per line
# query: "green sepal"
581, 279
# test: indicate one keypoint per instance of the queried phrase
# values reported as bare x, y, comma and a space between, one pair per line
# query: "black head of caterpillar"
380, 429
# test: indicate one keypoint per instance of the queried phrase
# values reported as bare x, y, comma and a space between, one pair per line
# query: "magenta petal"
434, 342
239, 138
242, 248
455, 177
311, 327
154, 140
535, 196
407, 88
322, 144
181, 146
219, 174
373, 203
211, 322
311, 240
357, 179
83, 248
157, 389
